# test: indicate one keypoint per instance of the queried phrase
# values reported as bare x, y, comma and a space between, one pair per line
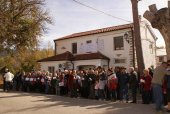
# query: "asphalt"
33, 103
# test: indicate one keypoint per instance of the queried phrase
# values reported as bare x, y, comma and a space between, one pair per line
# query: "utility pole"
137, 36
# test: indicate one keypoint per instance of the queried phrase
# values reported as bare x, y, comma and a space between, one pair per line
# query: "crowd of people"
112, 84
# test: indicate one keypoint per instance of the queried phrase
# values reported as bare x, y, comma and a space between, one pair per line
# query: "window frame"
88, 41
161, 59
51, 69
119, 60
74, 51
117, 45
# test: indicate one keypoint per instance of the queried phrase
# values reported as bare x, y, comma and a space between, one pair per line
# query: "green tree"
22, 22
25, 59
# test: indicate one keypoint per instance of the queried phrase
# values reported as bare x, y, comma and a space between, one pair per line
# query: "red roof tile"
60, 57
68, 56
108, 29
90, 56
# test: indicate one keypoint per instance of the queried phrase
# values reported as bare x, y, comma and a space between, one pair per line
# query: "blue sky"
70, 17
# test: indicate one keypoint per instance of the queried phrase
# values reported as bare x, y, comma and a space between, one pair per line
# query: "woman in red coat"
112, 82
145, 82
70, 83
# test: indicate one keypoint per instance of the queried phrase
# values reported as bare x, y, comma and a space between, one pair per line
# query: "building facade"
161, 56
106, 47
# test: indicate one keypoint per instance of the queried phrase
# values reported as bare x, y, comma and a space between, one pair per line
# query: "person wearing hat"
8, 79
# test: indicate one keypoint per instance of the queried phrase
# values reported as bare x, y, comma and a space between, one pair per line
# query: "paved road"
31, 103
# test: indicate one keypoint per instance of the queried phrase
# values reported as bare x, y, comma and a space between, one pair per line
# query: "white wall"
108, 49
45, 65
96, 62
147, 39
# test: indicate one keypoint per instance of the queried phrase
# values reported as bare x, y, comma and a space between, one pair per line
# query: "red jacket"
147, 85
70, 81
112, 84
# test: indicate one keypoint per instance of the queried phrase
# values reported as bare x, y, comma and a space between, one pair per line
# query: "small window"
161, 59
118, 43
151, 48
89, 41
74, 48
118, 61
51, 69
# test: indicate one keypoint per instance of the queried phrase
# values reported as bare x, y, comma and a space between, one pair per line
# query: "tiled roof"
68, 56
103, 30
60, 57
89, 56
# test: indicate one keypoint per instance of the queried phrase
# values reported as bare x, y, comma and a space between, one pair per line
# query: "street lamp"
126, 37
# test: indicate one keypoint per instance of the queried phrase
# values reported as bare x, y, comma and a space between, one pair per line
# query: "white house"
161, 55
106, 47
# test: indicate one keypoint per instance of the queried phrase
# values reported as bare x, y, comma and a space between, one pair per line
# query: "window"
118, 43
74, 48
51, 69
161, 59
151, 48
118, 61
89, 41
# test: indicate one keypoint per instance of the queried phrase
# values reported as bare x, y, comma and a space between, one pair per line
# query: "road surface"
33, 103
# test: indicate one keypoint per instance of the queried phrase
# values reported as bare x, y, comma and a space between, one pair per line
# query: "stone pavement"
32, 103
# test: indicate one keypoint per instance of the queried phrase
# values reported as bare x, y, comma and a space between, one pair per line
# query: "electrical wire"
80, 3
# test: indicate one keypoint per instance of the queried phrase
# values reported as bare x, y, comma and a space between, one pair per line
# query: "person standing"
76, 84
145, 82
85, 85
167, 80
123, 85
8, 79
92, 78
112, 82
18, 80
53, 84
118, 73
70, 84
61, 84
157, 83
133, 83
102, 83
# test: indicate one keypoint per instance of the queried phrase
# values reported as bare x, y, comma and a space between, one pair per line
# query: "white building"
161, 56
106, 47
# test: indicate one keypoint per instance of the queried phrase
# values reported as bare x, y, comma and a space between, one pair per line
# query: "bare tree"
160, 19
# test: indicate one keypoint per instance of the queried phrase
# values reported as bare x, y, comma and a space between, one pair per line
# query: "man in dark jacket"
123, 84
133, 83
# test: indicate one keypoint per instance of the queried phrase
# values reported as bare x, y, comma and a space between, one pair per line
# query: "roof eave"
63, 38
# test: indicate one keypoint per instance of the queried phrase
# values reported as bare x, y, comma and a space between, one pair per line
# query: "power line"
100, 11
